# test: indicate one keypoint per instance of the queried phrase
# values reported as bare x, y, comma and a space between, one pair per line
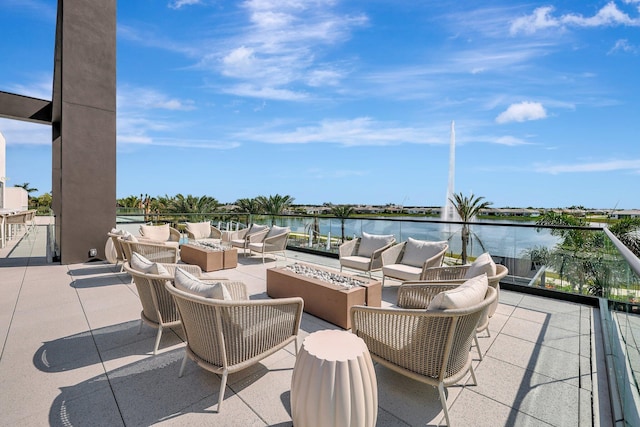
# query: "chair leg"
184, 363
155, 349
473, 375
443, 401
475, 338
383, 280
223, 385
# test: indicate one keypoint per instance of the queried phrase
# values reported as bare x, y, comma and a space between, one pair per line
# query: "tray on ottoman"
323, 299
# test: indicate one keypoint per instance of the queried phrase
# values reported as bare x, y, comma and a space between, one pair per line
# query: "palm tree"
251, 206
193, 205
29, 190
274, 205
467, 209
26, 187
343, 212
626, 230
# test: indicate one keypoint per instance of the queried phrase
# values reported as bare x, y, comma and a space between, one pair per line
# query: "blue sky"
352, 101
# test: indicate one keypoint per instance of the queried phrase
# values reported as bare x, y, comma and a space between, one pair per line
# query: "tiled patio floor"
72, 356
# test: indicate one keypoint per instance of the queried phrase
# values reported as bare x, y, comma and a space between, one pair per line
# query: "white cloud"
261, 92
146, 99
542, 18
177, 4
606, 166
510, 141
623, 45
42, 88
361, 131
521, 112
282, 47
539, 19
24, 133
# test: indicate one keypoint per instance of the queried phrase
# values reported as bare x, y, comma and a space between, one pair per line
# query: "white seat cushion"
482, 265
369, 243
189, 283
470, 293
416, 252
200, 230
356, 262
402, 271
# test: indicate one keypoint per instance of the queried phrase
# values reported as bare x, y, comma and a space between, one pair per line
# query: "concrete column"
84, 127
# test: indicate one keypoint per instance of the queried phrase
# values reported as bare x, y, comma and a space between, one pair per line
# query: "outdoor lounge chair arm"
445, 273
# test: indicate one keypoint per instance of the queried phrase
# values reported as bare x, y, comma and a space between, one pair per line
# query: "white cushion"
482, 265
416, 252
470, 293
158, 233
369, 243
356, 262
187, 282
402, 271
140, 263
276, 231
200, 230
129, 237
143, 265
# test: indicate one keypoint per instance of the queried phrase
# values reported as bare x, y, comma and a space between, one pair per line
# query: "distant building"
631, 213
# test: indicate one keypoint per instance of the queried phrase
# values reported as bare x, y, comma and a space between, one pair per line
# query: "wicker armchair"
242, 238
364, 253
409, 260
156, 252
160, 234
158, 308
200, 231
227, 336
274, 242
428, 346
457, 274
418, 294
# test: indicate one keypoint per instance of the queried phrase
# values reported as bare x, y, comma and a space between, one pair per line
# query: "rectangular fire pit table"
209, 259
324, 299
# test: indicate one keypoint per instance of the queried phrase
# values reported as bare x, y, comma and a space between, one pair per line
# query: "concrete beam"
19, 107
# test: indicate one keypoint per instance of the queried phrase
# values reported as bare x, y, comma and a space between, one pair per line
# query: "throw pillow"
416, 252
139, 262
470, 293
143, 265
483, 264
158, 233
276, 231
256, 228
187, 282
369, 243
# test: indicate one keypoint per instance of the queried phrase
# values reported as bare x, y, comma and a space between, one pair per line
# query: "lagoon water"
500, 239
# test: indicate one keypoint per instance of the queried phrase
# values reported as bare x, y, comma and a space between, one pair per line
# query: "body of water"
502, 239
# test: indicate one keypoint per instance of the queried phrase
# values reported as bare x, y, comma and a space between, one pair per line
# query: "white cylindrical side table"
334, 382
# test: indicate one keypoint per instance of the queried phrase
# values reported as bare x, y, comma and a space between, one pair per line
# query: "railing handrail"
630, 257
